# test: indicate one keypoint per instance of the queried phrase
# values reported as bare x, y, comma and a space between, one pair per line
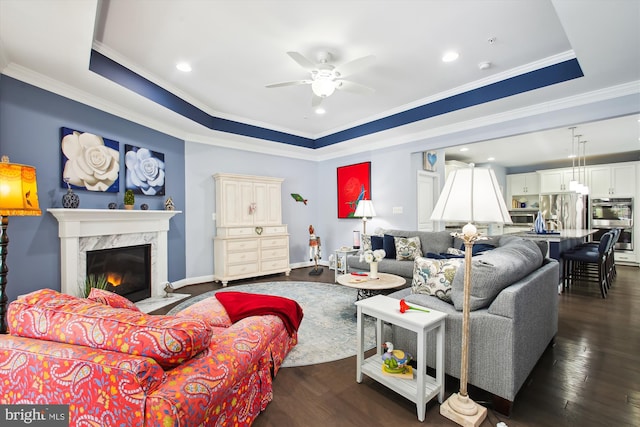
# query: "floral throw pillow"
434, 277
407, 248
365, 243
111, 299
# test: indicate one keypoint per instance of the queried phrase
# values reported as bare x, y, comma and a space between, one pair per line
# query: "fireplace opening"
127, 269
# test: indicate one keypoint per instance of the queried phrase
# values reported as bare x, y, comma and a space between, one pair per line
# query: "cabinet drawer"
273, 253
242, 257
275, 264
280, 229
237, 270
243, 231
242, 245
273, 242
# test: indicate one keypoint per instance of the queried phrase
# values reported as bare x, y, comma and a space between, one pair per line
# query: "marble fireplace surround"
82, 230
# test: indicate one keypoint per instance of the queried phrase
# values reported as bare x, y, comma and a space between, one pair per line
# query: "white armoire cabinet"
250, 237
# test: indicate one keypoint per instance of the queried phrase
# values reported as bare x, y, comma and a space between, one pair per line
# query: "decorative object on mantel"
144, 206
113, 205
70, 200
129, 200
470, 194
18, 197
168, 204
90, 161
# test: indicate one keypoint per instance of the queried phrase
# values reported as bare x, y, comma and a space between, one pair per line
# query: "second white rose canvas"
144, 171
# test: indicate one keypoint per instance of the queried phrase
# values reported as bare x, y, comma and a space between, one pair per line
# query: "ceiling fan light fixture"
323, 88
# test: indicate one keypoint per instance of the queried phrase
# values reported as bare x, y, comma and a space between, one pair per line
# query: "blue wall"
30, 122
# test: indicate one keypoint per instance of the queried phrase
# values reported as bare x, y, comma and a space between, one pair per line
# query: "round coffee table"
369, 287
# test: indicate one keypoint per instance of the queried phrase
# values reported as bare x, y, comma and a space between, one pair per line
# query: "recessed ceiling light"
450, 56
320, 111
572, 156
183, 66
491, 159
464, 149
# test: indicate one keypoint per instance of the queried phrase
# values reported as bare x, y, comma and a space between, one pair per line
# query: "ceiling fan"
326, 78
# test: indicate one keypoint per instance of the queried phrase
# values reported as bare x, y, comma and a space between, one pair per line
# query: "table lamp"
18, 197
469, 195
364, 209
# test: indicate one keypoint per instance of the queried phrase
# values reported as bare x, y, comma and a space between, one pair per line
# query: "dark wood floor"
589, 377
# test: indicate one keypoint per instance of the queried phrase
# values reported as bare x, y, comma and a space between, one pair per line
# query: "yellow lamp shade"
18, 190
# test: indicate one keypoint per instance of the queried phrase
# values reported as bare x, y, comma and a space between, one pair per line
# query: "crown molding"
380, 140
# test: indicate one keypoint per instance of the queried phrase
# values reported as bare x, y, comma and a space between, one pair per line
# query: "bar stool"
588, 265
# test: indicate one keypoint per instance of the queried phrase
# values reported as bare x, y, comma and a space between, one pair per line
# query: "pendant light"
574, 183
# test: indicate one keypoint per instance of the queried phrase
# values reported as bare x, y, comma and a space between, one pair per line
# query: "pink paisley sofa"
116, 366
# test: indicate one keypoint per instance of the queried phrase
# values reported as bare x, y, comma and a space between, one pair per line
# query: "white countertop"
559, 235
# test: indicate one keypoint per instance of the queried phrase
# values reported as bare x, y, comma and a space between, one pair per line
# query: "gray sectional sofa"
514, 313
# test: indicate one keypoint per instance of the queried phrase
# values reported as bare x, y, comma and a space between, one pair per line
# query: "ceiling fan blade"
316, 100
292, 83
356, 65
302, 61
352, 87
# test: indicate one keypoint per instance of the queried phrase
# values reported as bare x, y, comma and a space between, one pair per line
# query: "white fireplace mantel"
117, 225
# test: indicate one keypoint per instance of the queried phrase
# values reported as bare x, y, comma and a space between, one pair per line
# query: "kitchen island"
559, 242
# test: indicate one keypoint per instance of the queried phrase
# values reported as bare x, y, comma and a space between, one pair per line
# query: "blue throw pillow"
377, 242
479, 248
389, 246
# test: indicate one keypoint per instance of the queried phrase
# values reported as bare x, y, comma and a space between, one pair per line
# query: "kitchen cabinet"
523, 183
250, 237
612, 180
522, 187
557, 180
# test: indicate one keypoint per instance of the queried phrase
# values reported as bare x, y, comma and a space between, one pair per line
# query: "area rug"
328, 328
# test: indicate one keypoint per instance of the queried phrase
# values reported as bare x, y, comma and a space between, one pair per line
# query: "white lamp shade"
365, 209
471, 195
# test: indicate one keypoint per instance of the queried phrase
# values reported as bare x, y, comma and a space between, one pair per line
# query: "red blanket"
241, 304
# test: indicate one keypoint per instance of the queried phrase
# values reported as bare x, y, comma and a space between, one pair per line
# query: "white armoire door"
428, 192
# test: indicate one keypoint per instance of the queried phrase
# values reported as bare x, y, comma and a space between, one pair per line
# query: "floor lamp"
18, 197
469, 195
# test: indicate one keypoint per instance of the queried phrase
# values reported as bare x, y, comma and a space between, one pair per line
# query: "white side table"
423, 387
341, 261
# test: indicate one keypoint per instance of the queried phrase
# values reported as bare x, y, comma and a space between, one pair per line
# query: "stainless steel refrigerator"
565, 211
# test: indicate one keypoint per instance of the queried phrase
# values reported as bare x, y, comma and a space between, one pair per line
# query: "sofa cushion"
434, 277
389, 246
407, 248
208, 310
49, 315
365, 242
494, 270
111, 299
377, 242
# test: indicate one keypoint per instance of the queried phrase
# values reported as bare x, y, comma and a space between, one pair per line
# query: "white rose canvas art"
89, 161
144, 171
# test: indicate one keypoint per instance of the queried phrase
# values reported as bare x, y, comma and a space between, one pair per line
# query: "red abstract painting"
354, 184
